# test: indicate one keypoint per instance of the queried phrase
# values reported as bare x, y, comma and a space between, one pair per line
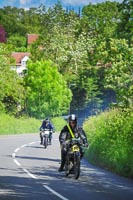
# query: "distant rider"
46, 124
66, 135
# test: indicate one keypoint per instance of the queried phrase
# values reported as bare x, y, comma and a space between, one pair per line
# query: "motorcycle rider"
66, 134
46, 124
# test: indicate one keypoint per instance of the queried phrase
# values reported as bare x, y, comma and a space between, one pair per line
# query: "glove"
85, 141
86, 144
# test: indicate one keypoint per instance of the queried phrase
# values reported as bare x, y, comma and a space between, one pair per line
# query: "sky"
48, 3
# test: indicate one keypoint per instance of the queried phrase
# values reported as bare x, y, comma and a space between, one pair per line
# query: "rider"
46, 124
66, 134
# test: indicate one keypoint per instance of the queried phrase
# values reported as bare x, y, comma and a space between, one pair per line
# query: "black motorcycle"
72, 162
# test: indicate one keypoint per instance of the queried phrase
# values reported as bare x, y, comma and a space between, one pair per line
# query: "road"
30, 172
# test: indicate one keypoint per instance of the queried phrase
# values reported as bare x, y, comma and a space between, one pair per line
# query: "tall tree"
71, 52
116, 60
119, 77
47, 92
11, 85
100, 20
125, 26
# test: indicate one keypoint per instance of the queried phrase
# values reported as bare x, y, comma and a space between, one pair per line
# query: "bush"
111, 139
58, 123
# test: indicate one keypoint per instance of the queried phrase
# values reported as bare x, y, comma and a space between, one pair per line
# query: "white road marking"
23, 146
54, 192
17, 163
32, 175
17, 150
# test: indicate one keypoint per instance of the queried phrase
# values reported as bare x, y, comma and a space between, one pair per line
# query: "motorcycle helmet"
47, 120
72, 118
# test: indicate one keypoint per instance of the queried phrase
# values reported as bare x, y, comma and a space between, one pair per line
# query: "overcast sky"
48, 3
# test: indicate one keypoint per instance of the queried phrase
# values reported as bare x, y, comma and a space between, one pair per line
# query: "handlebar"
74, 141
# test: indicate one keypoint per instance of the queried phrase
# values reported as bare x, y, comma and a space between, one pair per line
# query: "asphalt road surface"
30, 172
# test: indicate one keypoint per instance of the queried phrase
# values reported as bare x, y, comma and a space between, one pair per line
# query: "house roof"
31, 38
18, 56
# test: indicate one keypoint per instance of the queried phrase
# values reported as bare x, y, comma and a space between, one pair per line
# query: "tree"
71, 52
17, 41
116, 59
125, 25
85, 89
100, 20
2, 34
11, 85
120, 75
47, 92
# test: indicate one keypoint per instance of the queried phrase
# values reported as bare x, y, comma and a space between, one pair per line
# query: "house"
31, 38
20, 58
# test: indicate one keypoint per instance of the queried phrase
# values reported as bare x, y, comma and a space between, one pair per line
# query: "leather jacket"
77, 131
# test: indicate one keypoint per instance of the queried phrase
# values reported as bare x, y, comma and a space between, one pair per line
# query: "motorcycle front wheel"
66, 167
76, 166
45, 142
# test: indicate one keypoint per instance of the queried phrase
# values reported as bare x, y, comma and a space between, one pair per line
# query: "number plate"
45, 133
75, 148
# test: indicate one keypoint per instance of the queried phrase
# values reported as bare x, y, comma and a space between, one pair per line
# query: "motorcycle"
46, 139
72, 162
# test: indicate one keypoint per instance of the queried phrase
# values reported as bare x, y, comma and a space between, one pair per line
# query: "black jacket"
77, 131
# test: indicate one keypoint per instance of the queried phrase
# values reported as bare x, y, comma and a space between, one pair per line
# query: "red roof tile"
18, 56
32, 38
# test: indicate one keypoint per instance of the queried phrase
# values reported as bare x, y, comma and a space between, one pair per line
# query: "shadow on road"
20, 188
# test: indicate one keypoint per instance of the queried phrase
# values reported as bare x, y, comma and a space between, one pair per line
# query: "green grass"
58, 123
12, 125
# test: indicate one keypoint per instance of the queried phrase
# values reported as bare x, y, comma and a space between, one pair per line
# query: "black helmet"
47, 119
73, 117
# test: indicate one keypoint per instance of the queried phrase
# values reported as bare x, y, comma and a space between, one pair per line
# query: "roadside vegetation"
110, 135
11, 125
58, 123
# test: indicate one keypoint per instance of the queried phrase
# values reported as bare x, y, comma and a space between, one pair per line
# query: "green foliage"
73, 43
47, 92
100, 19
71, 54
11, 125
11, 87
111, 139
58, 123
85, 88
17, 41
119, 77
20, 20
115, 59
125, 25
